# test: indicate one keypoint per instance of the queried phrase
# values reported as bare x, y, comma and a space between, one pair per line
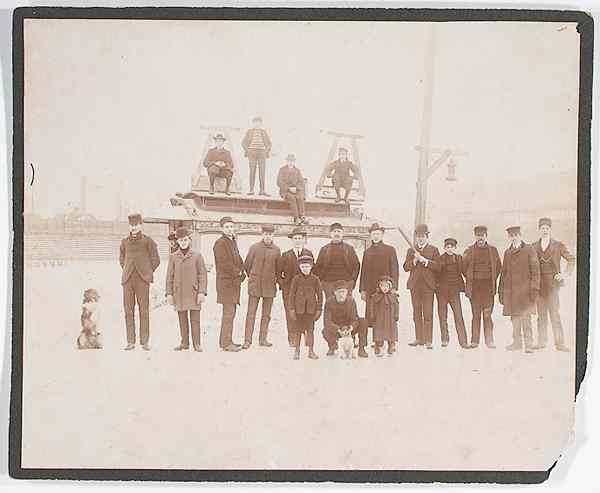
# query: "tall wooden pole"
424, 145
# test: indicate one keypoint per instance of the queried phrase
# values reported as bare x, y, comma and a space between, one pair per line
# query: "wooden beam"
440, 150
437, 163
342, 134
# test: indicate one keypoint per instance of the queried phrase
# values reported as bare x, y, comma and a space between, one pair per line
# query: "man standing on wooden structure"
292, 188
229, 276
257, 148
261, 268
219, 164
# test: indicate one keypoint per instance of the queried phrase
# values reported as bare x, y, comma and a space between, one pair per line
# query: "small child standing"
186, 288
305, 305
385, 315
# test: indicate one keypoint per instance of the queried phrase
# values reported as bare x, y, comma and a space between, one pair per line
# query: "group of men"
290, 180
527, 280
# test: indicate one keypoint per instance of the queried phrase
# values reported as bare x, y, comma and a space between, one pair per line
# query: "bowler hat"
336, 226
268, 228
225, 220
290, 157
480, 230
513, 230
544, 221
376, 227
219, 136
134, 219
305, 259
182, 232
340, 285
421, 229
450, 241
297, 231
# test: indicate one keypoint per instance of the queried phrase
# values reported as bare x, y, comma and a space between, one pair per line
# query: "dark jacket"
138, 254
229, 270
553, 254
350, 258
384, 312
338, 315
215, 155
289, 177
306, 295
342, 170
444, 285
186, 277
419, 273
378, 260
520, 281
261, 268
469, 266
247, 140
288, 267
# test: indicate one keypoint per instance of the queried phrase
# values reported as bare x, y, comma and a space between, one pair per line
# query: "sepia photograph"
294, 244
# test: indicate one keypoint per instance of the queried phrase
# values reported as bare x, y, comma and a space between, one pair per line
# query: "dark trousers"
216, 172
345, 183
265, 318
225, 337
305, 324
421, 296
257, 160
331, 335
522, 330
296, 202
482, 305
288, 320
548, 305
184, 327
452, 299
137, 290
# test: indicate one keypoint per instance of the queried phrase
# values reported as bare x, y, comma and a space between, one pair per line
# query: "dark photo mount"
585, 28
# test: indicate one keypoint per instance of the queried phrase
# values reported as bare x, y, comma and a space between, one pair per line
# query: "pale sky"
123, 101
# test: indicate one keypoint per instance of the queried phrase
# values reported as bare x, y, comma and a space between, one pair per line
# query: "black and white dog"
90, 337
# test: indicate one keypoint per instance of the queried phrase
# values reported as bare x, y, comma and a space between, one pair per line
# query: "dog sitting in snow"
346, 343
90, 337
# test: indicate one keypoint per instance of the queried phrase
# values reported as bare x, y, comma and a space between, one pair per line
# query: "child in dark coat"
305, 305
384, 314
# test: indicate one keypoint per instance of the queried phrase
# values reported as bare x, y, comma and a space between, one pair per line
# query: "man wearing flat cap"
519, 288
342, 172
423, 264
261, 268
257, 148
229, 267
378, 260
287, 269
481, 268
550, 252
138, 256
340, 313
219, 164
292, 189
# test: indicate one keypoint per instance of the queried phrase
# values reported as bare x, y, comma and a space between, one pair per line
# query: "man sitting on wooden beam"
342, 173
219, 164
291, 188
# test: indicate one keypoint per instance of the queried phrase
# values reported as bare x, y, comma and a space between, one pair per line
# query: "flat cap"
450, 241
290, 157
513, 230
225, 220
135, 218
340, 285
268, 228
376, 227
219, 136
421, 229
336, 226
544, 221
297, 231
480, 230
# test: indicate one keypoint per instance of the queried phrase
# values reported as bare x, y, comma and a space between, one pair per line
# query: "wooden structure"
324, 188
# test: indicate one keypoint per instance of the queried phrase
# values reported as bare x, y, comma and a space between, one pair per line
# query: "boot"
362, 353
378, 351
312, 354
562, 347
265, 343
297, 353
391, 348
246, 345
414, 343
181, 347
129, 347
198, 348
514, 347
331, 352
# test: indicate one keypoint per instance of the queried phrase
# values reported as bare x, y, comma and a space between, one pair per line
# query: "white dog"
346, 343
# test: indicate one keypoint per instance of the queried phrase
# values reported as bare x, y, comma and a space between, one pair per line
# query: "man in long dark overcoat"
138, 256
230, 274
550, 252
288, 268
519, 288
481, 268
261, 268
423, 265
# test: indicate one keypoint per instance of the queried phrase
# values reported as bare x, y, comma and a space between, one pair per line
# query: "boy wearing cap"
186, 288
138, 256
550, 252
291, 188
519, 288
219, 164
337, 261
450, 285
230, 274
384, 313
305, 305
342, 172
257, 148
341, 313
287, 269
261, 268
481, 268
423, 264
